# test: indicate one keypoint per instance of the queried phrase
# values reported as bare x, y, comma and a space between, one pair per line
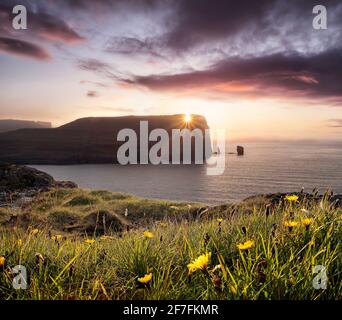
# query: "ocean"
265, 168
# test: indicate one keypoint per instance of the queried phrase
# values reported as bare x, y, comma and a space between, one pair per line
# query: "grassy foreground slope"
79, 244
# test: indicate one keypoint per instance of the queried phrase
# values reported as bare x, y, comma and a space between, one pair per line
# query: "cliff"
86, 140
10, 125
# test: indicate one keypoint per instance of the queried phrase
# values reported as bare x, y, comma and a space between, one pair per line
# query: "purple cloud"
312, 76
23, 48
92, 94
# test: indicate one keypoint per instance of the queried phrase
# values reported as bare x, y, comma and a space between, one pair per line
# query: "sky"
256, 68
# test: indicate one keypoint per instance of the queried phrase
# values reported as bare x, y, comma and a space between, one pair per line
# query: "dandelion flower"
292, 198
2, 261
56, 237
291, 224
148, 234
307, 222
146, 278
219, 220
200, 263
89, 241
246, 245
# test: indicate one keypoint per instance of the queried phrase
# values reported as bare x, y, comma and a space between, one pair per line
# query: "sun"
187, 118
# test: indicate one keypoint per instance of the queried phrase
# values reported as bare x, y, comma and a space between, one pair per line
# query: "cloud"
237, 24
93, 65
92, 94
101, 68
114, 4
53, 28
96, 66
134, 46
23, 48
42, 24
118, 109
335, 123
99, 84
201, 20
312, 76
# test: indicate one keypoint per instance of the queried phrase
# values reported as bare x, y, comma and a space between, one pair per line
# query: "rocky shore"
20, 184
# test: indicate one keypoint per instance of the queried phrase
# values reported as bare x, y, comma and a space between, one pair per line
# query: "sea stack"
240, 150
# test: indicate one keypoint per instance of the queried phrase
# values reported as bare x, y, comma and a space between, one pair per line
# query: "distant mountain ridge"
11, 125
86, 140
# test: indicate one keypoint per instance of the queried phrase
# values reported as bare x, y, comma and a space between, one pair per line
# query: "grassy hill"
80, 244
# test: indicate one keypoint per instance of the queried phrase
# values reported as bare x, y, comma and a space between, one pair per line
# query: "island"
91, 140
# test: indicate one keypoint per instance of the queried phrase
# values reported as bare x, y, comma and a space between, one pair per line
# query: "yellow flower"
20, 242
148, 234
200, 263
219, 220
292, 198
34, 232
89, 241
2, 261
233, 289
246, 245
307, 222
146, 278
291, 223
56, 237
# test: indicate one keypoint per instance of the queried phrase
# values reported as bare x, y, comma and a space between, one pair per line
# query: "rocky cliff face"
87, 140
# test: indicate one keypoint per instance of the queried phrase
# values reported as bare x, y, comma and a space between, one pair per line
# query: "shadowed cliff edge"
84, 141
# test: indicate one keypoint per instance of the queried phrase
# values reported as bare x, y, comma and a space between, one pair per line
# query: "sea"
266, 167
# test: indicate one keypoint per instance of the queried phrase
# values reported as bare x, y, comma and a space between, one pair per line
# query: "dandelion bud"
39, 258
217, 283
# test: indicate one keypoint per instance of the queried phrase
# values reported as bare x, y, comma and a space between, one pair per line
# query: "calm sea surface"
265, 168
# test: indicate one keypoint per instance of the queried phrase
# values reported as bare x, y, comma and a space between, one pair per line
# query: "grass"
277, 264
71, 210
